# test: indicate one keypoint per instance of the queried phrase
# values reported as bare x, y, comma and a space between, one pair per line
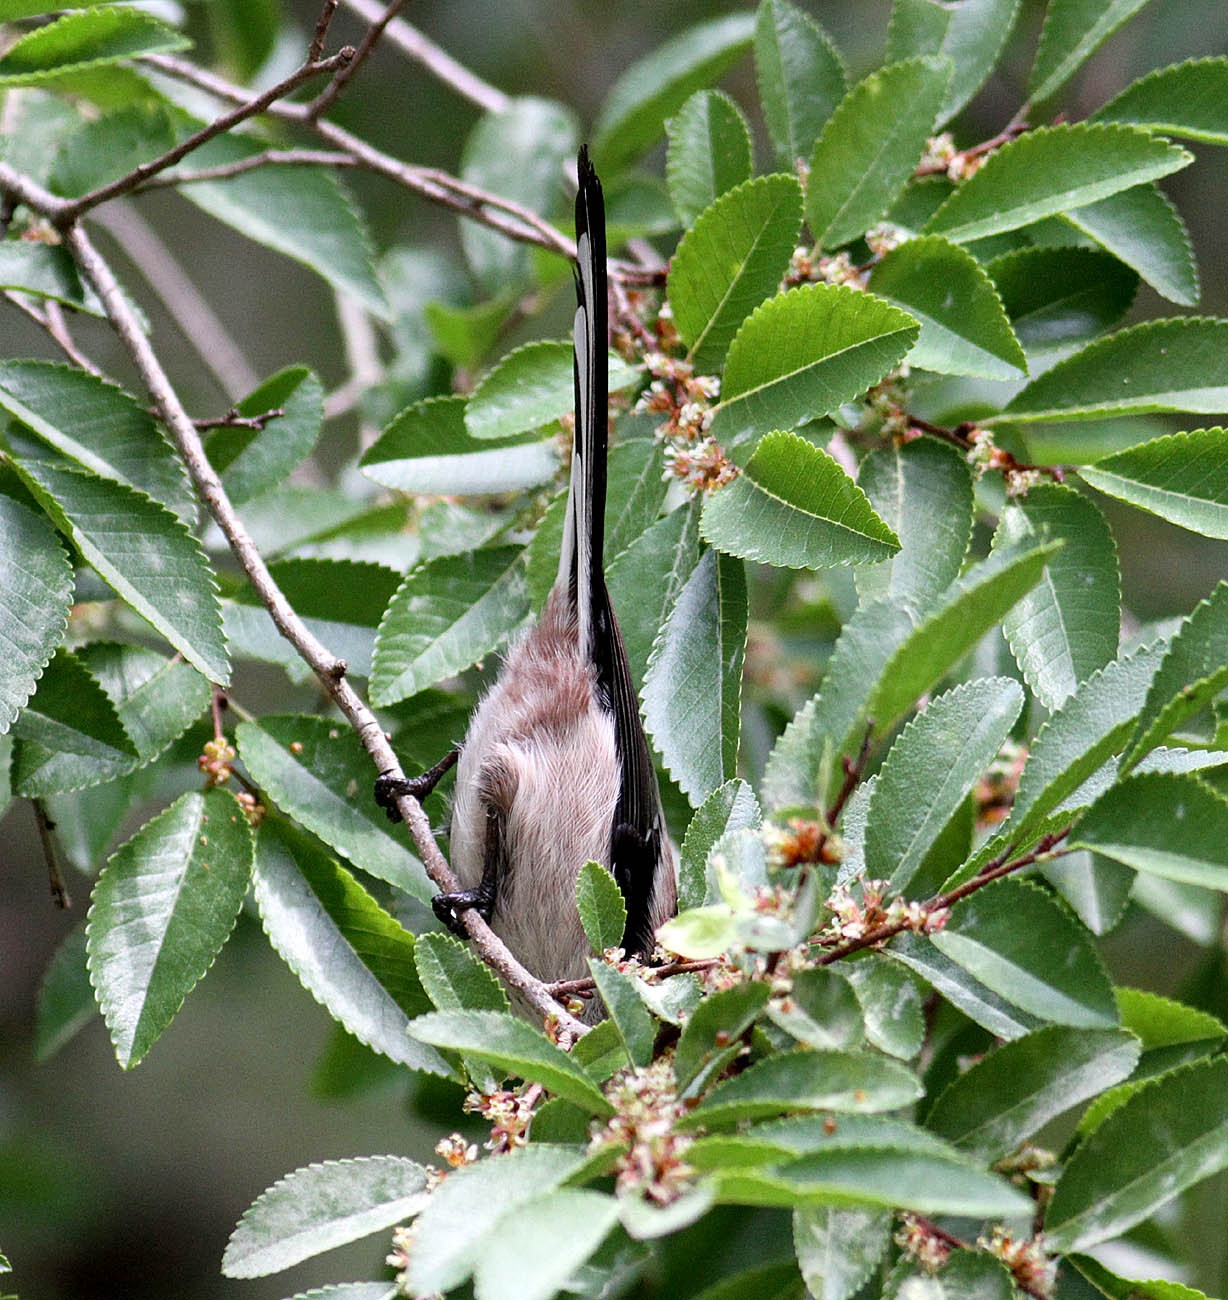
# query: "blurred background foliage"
116, 1184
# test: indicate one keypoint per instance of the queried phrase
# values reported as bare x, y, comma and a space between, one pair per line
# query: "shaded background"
116, 1184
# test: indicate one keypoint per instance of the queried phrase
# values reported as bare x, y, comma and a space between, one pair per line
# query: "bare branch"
51, 319
51, 853
436, 61
328, 96
316, 52
218, 126
269, 158
233, 420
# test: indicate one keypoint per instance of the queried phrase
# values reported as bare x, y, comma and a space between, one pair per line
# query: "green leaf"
1143, 228
520, 154
922, 490
1191, 674
1189, 99
1160, 1022
964, 329
969, 36
1162, 365
530, 387
1020, 943
70, 734
1169, 1135
966, 1274
311, 769
322, 1206
1058, 297
303, 212
36, 585
731, 806
603, 913
347, 952
709, 152
454, 979
467, 1210
801, 78
1167, 823
820, 1010
932, 766
804, 353
86, 39
1051, 170
1018, 1088
251, 461
446, 615
636, 1028
428, 449
731, 259
514, 1046
646, 580
808, 1080
1182, 477
693, 687
341, 601
46, 270
528, 1259
65, 997
793, 506
1120, 1288
838, 1250
869, 148
652, 89
965, 613
890, 1005
141, 550
961, 988
1096, 889
1068, 625
161, 911
700, 933
97, 426
1073, 30
717, 1022
464, 335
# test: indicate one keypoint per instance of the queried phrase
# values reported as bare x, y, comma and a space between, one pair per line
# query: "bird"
555, 770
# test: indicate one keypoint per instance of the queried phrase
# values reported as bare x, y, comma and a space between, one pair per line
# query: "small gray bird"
555, 769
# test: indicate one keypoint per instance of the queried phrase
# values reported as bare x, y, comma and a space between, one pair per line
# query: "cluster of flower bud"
835, 268
942, 155
1025, 1257
855, 917
926, 1247
217, 760
646, 1109
508, 1113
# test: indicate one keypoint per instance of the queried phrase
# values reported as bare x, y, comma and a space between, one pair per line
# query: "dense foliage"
876, 372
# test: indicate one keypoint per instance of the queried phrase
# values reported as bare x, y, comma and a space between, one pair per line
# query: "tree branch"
269, 158
51, 319
328, 96
316, 50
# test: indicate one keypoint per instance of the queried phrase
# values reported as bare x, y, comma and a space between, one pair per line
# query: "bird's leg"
448, 907
389, 788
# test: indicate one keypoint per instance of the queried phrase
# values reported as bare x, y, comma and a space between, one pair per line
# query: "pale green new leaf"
708, 154
1189, 99
804, 353
1051, 170
347, 952
929, 771
529, 388
322, 1206
1073, 30
1182, 477
793, 506
86, 39
693, 687
964, 329
1168, 823
1017, 1089
969, 35
445, 616
1169, 1135
311, 769
869, 147
161, 911
36, 584
652, 89
801, 78
837, 1249
1142, 228
515, 1046
729, 807
1069, 624
428, 449
603, 911
141, 550
1020, 943
731, 259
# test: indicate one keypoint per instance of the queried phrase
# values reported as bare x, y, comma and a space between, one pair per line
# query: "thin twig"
316, 51
269, 158
219, 125
438, 62
52, 320
233, 420
51, 852
328, 96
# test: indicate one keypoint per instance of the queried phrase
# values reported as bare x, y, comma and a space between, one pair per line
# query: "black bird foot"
448, 908
389, 788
